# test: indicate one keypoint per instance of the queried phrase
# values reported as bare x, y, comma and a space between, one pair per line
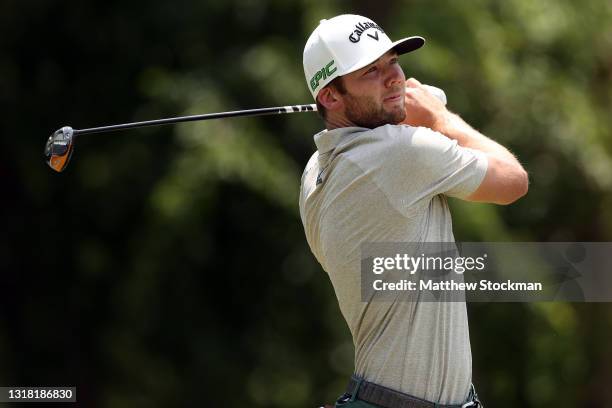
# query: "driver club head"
59, 148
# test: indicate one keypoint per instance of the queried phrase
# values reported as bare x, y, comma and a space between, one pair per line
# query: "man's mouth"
393, 98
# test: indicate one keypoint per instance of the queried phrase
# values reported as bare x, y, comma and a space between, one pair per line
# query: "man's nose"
395, 76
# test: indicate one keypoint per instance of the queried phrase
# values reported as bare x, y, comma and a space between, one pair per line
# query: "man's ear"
330, 98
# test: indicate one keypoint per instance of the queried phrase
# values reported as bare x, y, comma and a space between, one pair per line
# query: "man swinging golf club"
390, 155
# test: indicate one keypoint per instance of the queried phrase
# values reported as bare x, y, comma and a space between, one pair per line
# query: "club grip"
437, 92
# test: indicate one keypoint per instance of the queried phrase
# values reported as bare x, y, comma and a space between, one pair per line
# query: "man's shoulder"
397, 148
380, 141
393, 135
389, 132
404, 139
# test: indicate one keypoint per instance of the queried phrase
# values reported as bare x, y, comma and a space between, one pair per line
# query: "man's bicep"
503, 183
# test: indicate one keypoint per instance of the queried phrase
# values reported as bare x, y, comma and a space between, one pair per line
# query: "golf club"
60, 145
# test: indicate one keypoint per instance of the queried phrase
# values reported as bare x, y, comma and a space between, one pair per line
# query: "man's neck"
335, 122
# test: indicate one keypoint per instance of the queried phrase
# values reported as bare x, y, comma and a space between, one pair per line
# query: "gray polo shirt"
390, 184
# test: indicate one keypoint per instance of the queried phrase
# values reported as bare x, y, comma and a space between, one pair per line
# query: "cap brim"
402, 46
409, 44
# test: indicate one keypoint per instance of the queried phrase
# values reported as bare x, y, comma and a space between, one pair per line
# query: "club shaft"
249, 112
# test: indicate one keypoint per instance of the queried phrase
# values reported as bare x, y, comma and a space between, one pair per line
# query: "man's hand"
422, 108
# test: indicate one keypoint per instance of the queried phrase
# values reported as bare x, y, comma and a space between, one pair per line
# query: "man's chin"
397, 116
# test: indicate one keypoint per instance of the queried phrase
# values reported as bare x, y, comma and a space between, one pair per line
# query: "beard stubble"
365, 112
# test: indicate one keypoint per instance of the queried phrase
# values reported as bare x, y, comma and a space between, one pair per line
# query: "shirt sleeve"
421, 163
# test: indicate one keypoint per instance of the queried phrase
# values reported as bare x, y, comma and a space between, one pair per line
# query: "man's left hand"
422, 108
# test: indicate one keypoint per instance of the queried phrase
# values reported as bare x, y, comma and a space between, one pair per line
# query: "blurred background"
167, 267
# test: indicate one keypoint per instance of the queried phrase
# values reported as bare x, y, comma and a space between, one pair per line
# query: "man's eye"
371, 70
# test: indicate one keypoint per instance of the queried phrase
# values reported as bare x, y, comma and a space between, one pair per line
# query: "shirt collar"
327, 140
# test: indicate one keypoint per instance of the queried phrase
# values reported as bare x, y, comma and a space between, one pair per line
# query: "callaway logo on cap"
344, 44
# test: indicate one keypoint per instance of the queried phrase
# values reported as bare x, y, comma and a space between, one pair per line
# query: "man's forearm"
457, 129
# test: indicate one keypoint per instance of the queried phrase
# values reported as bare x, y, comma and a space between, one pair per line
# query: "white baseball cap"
344, 44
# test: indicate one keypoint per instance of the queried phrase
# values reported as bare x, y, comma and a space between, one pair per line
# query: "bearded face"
370, 97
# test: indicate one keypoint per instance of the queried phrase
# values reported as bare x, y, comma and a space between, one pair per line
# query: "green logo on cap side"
323, 73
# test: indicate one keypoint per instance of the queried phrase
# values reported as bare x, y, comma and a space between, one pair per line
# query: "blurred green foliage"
167, 266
